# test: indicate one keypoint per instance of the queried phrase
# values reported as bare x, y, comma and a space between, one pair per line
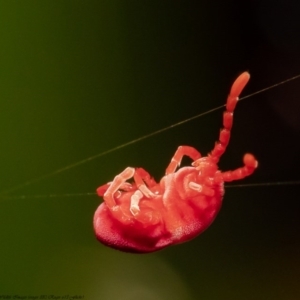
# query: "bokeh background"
80, 77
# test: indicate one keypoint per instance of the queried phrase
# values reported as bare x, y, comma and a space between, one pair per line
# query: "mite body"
146, 216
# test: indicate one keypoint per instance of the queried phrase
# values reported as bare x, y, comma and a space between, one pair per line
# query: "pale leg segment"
202, 189
118, 181
134, 202
140, 176
180, 152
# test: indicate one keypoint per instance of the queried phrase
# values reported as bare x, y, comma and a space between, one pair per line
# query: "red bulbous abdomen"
135, 237
164, 220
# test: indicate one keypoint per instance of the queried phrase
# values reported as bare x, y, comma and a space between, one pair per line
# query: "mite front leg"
118, 181
232, 100
180, 152
250, 164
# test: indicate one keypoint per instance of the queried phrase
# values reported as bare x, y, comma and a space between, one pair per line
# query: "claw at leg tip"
250, 161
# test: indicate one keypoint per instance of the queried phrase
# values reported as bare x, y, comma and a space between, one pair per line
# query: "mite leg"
250, 164
145, 176
125, 186
101, 190
118, 181
140, 177
134, 202
205, 190
180, 152
232, 100
148, 217
144, 182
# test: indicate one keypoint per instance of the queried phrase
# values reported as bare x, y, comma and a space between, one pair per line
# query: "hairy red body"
146, 216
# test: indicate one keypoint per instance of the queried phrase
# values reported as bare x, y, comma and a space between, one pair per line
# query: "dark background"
81, 77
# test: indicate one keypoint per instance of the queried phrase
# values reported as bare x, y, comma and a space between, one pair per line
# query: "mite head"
206, 166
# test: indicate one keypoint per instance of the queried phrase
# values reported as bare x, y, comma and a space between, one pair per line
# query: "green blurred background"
81, 77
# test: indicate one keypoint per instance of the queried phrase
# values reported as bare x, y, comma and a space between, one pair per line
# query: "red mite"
146, 216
